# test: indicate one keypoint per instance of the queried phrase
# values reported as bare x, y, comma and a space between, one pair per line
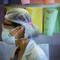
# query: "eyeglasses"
11, 24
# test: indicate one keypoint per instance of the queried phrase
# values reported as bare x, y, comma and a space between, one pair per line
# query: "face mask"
7, 37
28, 31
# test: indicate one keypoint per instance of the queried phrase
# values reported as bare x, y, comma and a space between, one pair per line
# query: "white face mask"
7, 37
28, 30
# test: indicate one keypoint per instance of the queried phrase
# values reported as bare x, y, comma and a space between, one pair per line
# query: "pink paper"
25, 1
51, 1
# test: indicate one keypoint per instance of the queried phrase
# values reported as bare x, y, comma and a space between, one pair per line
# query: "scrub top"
34, 52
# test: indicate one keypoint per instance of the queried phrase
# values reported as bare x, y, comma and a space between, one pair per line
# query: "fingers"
14, 31
20, 33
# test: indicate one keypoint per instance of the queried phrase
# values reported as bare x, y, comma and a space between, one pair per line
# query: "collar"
29, 47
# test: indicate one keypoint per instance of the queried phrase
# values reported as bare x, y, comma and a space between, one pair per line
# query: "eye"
15, 24
21, 18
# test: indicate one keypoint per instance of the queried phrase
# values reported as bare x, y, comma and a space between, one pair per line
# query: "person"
18, 29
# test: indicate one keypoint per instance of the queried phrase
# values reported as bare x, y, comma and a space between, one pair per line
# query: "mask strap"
30, 23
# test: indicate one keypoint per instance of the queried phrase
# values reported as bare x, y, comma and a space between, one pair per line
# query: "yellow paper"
37, 16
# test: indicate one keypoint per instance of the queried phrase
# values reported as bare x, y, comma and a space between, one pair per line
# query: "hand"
18, 32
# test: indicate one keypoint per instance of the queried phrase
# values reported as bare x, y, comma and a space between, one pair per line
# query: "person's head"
18, 17
14, 16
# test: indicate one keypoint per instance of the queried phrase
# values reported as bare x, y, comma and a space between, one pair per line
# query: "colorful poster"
37, 16
50, 19
57, 26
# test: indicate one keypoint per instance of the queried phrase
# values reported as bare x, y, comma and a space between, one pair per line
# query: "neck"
22, 48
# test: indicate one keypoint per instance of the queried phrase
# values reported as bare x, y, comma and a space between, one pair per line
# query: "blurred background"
30, 1
47, 20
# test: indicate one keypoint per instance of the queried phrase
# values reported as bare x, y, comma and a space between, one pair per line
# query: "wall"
1, 17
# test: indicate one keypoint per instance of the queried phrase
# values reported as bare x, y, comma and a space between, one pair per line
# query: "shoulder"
38, 53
